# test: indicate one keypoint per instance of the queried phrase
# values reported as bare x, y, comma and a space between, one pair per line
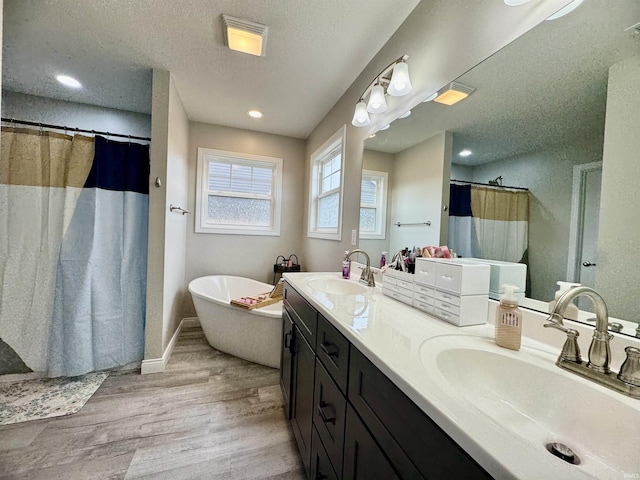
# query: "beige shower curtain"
501, 218
41, 177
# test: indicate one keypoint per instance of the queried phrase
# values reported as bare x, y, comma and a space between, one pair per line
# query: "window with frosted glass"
373, 204
238, 195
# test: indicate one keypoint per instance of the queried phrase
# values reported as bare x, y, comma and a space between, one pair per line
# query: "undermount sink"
529, 402
336, 286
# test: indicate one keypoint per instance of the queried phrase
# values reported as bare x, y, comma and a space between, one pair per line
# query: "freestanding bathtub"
254, 335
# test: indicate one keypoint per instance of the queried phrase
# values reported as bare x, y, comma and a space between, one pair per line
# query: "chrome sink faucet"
597, 368
366, 278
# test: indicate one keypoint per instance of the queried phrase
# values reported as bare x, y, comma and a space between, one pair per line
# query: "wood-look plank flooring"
207, 416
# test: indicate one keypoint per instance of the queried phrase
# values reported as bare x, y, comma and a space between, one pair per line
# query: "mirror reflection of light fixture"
386, 126
244, 36
453, 93
565, 10
405, 114
430, 97
393, 80
516, 3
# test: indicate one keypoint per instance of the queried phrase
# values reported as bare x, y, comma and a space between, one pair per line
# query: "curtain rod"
73, 129
488, 184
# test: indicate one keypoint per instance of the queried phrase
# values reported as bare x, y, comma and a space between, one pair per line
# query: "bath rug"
46, 397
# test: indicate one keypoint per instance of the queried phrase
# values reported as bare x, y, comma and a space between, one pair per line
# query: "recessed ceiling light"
405, 114
68, 81
465, 153
255, 113
564, 10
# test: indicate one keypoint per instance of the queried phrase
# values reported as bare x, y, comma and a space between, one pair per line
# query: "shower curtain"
73, 249
491, 223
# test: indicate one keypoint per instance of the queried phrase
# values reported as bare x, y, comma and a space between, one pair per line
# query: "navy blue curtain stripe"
460, 200
120, 166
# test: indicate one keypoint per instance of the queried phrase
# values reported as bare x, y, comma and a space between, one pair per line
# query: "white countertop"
391, 335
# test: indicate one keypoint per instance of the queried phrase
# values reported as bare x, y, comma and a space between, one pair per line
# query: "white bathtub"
254, 335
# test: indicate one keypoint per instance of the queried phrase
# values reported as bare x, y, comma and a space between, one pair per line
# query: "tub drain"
563, 452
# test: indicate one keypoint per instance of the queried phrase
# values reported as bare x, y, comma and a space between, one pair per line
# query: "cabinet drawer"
333, 352
447, 307
447, 297
329, 416
449, 277
424, 290
425, 273
422, 298
425, 307
398, 296
320, 465
389, 280
447, 316
405, 285
414, 444
302, 314
407, 292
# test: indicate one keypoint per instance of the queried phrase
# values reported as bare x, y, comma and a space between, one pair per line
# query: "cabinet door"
321, 468
302, 395
363, 459
286, 361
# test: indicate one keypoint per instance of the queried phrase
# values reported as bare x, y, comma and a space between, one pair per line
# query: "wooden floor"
208, 416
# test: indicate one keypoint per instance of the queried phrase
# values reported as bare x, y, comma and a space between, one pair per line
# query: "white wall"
421, 175
379, 162
89, 117
441, 47
619, 230
245, 255
461, 172
549, 177
167, 231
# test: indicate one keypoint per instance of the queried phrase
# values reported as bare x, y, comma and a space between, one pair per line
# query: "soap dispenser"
346, 265
508, 332
571, 312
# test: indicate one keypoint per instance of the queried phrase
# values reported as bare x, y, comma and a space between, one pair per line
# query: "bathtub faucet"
367, 275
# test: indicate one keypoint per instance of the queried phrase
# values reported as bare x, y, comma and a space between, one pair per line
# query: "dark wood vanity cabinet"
350, 421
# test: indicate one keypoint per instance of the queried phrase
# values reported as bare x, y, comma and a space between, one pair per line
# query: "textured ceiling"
315, 50
546, 88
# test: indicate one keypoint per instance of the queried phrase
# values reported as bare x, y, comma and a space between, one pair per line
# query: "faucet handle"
555, 321
571, 349
630, 369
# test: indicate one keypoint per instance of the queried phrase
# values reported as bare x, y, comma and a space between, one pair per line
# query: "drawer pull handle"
330, 349
287, 340
321, 411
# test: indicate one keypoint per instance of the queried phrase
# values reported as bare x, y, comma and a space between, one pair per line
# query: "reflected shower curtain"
462, 230
501, 219
73, 243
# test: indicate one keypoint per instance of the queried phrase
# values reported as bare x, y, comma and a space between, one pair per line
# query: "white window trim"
202, 177
338, 138
381, 207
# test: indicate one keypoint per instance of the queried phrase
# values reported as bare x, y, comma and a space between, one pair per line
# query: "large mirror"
550, 113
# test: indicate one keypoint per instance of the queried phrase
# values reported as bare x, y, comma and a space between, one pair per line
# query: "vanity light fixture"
68, 81
453, 93
386, 126
255, 113
465, 153
244, 36
430, 97
405, 114
393, 80
565, 10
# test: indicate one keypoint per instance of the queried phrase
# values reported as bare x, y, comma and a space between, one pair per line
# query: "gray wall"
619, 230
58, 112
245, 255
167, 231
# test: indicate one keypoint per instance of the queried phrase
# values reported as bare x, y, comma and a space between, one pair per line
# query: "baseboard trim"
158, 365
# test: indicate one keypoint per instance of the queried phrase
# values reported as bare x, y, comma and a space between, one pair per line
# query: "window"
373, 205
238, 193
325, 192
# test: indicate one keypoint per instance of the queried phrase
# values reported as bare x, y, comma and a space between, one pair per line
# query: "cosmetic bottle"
383, 259
346, 266
508, 332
